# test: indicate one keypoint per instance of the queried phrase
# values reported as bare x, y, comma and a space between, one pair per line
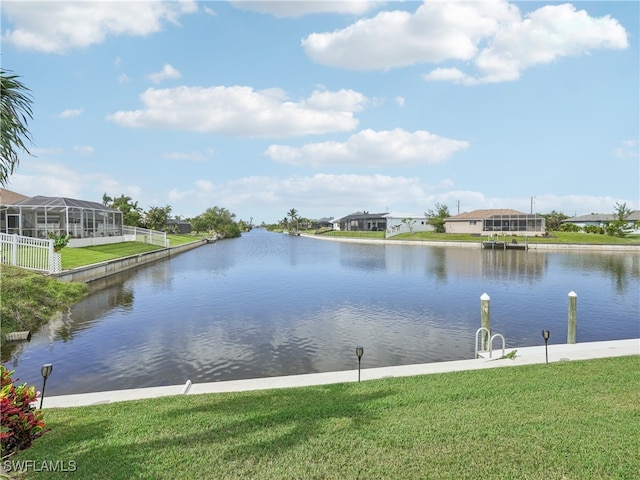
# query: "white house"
398, 223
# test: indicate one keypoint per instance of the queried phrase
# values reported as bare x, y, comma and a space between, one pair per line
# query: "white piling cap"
484, 296
573, 294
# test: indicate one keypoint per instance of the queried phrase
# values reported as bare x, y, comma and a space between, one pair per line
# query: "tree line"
214, 220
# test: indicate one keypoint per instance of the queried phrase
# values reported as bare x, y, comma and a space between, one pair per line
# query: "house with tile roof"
496, 221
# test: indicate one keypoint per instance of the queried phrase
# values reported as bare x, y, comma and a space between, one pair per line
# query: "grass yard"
78, 257
556, 237
566, 420
30, 299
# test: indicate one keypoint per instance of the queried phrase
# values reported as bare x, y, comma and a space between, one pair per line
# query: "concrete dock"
523, 356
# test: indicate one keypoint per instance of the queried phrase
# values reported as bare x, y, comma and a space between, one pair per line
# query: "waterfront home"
601, 220
40, 216
496, 221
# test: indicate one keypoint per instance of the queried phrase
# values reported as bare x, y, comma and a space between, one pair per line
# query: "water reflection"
271, 304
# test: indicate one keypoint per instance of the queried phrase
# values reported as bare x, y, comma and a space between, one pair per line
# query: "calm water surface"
270, 304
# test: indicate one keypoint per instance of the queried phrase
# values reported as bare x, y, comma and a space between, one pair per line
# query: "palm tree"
293, 214
15, 112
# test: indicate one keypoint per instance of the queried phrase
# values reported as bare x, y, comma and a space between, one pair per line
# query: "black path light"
46, 370
359, 353
545, 335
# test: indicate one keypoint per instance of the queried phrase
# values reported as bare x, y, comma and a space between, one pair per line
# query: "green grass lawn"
573, 420
78, 257
556, 237
29, 300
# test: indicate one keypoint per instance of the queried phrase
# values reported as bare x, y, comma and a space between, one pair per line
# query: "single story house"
361, 222
40, 216
324, 222
496, 221
178, 226
603, 219
398, 223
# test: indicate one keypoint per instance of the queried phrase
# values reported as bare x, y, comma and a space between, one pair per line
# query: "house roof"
634, 216
7, 197
361, 216
484, 214
41, 201
404, 215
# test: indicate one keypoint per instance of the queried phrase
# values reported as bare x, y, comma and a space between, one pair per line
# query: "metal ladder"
492, 337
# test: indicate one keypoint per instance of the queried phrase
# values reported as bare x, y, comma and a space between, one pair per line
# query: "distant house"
398, 223
604, 219
178, 226
41, 216
392, 223
7, 197
361, 222
323, 223
495, 221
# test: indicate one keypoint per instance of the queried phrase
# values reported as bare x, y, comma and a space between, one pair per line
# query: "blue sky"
331, 107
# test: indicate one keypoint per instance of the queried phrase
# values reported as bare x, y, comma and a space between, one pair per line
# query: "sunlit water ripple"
270, 304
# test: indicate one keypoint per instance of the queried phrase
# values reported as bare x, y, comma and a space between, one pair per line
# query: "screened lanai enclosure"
514, 223
40, 216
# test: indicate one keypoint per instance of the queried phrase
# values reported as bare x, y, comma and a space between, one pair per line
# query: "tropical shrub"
593, 229
22, 423
59, 241
570, 227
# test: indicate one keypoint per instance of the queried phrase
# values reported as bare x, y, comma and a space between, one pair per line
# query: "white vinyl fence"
27, 252
137, 234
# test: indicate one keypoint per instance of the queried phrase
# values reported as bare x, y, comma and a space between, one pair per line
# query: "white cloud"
548, 33
490, 35
191, 156
322, 195
627, 149
57, 180
167, 72
299, 8
436, 32
43, 151
372, 149
400, 101
123, 78
70, 113
56, 27
83, 149
342, 100
243, 111
209, 11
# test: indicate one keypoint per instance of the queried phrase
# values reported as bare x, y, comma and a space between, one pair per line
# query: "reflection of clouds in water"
390, 337
269, 304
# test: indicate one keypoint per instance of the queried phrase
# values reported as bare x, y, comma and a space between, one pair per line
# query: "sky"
330, 107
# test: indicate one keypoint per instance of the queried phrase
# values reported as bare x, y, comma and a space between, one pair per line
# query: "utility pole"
532, 205
458, 203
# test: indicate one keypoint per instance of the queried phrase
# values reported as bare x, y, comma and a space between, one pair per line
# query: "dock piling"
572, 317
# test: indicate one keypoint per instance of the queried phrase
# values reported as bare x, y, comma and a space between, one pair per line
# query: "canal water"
269, 304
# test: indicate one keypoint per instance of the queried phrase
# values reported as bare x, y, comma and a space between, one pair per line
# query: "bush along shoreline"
29, 301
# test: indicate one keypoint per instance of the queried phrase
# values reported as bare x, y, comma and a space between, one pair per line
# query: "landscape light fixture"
46, 370
359, 353
545, 335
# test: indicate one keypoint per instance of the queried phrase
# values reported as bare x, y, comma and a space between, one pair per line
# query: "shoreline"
523, 356
98, 271
459, 243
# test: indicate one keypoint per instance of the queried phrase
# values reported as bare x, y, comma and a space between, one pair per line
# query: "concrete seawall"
593, 247
100, 270
523, 356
